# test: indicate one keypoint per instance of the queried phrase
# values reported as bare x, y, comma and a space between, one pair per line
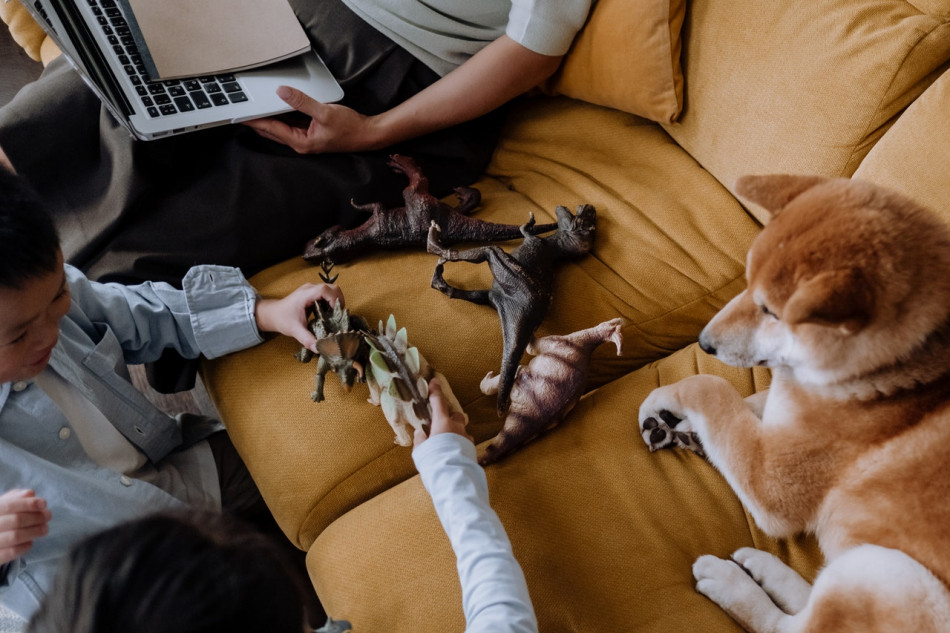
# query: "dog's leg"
868, 589
728, 585
756, 402
782, 583
708, 409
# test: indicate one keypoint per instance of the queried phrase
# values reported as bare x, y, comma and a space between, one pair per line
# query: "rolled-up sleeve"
221, 304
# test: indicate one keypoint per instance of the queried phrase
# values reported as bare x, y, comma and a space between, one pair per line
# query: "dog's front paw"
658, 430
660, 427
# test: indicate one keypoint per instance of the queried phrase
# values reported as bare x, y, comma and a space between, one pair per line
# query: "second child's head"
33, 291
196, 572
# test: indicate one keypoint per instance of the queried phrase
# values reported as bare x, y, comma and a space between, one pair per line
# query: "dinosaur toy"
547, 388
341, 344
407, 226
523, 284
398, 378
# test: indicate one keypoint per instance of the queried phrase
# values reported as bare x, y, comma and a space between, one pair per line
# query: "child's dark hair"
197, 572
28, 241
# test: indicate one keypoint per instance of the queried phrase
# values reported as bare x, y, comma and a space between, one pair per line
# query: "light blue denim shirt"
108, 326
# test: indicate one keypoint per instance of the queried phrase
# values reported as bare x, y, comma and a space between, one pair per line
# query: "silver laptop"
95, 37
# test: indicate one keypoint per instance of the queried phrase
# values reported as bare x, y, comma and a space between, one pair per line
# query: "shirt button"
20, 385
125, 481
64, 433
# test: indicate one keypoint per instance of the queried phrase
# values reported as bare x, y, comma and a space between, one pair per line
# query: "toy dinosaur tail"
462, 228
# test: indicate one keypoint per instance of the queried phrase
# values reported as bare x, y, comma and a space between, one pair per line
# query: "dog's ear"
838, 298
774, 192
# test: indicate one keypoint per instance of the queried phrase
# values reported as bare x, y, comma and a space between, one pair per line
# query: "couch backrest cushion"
914, 155
777, 86
627, 57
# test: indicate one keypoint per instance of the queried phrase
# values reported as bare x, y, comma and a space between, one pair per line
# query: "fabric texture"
605, 531
628, 57
771, 86
912, 157
494, 593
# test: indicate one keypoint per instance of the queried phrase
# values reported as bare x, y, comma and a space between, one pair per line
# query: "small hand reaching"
23, 519
442, 420
289, 315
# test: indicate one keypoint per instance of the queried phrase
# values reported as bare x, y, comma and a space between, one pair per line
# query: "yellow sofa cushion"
26, 32
628, 57
665, 259
802, 87
605, 531
913, 156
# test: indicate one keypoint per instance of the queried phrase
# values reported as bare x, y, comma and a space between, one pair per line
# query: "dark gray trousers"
131, 210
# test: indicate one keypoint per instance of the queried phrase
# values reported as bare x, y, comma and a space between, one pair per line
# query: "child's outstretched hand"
23, 519
289, 315
442, 420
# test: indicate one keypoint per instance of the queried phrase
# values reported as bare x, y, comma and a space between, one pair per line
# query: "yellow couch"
605, 531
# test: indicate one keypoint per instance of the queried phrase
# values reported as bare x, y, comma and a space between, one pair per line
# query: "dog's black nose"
706, 346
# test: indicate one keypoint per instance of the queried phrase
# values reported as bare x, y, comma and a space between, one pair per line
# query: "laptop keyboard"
171, 96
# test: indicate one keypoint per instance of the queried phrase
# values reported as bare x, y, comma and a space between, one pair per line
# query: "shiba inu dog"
848, 303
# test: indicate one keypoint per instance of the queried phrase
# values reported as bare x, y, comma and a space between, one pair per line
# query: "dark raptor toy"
408, 226
523, 285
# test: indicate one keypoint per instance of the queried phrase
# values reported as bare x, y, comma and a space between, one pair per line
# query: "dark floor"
16, 70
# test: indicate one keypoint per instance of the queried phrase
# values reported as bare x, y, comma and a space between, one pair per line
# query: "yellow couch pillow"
26, 32
627, 57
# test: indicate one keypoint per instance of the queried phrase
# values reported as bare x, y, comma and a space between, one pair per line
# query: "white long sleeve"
494, 592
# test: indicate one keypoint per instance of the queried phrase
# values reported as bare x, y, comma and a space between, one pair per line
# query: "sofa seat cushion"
669, 252
605, 531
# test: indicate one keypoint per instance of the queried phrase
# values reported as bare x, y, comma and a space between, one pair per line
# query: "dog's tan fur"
848, 302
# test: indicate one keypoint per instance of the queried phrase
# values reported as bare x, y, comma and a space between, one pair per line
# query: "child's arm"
215, 313
494, 592
23, 519
289, 315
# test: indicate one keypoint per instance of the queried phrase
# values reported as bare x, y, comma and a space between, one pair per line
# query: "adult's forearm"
498, 73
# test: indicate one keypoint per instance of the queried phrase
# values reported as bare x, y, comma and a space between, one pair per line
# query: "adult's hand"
333, 128
496, 74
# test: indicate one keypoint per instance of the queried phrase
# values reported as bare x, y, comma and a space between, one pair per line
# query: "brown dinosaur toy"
408, 226
547, 388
